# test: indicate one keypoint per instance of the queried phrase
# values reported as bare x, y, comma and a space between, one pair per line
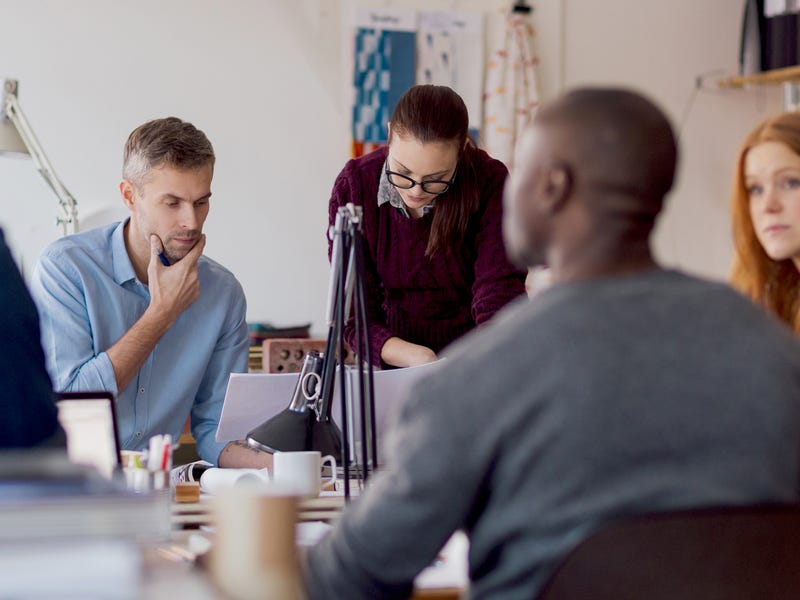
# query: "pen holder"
143, 481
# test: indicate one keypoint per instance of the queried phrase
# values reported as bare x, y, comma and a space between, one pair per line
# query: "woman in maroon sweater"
432, 219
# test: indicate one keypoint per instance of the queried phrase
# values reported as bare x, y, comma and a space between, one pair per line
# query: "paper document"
252, 398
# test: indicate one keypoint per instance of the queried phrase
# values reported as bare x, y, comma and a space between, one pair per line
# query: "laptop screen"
89, 420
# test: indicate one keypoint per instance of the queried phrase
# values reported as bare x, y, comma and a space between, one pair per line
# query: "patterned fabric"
384, 69
511, 96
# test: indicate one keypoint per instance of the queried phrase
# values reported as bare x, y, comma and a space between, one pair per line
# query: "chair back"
710, 554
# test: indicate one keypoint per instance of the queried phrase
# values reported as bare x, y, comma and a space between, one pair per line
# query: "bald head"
596, 163
615, 140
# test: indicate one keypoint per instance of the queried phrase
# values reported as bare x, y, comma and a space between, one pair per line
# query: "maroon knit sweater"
428, 301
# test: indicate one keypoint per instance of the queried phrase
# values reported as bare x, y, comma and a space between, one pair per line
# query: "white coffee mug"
302, 471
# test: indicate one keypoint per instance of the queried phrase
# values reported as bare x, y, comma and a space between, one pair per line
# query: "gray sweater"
599, 399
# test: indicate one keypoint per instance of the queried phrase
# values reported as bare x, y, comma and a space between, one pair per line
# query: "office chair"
710, 554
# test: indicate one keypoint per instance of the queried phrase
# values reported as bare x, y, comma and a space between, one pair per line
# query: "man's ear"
128, 193
557, 186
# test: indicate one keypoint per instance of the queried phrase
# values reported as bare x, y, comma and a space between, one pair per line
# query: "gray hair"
169, 142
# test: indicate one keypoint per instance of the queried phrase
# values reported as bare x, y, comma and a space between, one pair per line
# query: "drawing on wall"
383, 70
396, 48
449, 46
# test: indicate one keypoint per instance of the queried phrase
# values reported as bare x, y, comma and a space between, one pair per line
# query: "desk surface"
165, 580
170, 571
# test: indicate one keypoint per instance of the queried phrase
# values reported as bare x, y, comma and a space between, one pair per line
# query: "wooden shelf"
773, 77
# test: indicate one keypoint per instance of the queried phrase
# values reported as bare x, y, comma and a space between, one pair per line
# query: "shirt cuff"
105, 373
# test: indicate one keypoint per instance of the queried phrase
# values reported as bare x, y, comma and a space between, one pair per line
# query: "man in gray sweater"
623, 389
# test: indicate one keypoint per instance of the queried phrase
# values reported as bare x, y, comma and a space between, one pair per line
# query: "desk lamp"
16, 135
307, 424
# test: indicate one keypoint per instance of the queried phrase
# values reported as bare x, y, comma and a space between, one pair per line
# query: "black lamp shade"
288, 431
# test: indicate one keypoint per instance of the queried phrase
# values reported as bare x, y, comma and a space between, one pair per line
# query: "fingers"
155, 244
156, 250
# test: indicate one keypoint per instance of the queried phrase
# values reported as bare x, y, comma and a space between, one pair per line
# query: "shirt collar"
388, 193
123, 267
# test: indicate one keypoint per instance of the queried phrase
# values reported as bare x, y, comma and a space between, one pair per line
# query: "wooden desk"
170, 571
189, 516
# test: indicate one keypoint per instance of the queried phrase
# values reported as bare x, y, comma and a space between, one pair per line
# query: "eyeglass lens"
406, 183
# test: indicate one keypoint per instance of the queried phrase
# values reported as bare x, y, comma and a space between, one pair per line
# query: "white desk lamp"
17, 136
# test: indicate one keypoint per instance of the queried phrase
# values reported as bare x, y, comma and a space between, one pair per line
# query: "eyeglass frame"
421, 184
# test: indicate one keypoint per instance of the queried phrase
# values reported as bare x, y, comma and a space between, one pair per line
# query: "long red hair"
773, 284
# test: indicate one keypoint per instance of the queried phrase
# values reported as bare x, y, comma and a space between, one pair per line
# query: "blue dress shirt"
88, 297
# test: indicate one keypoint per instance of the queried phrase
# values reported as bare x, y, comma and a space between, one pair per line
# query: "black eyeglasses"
432, 186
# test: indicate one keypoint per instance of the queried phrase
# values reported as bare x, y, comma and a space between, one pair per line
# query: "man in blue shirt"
136, 309
27, 411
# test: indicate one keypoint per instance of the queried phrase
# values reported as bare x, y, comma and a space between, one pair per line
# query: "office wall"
92, 70
660, 48
267, 82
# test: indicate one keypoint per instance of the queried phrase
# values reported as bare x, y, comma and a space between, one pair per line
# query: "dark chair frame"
746, 553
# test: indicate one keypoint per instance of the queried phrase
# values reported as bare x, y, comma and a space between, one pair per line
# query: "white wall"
659, 48
267, 82
92, 70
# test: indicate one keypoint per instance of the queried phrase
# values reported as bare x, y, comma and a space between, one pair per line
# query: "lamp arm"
68, 219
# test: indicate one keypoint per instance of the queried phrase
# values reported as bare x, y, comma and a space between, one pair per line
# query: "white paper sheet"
252, 398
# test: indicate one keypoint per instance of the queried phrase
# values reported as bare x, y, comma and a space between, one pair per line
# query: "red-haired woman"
432, 206
766, 217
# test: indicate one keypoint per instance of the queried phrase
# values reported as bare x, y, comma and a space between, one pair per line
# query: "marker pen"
164, 259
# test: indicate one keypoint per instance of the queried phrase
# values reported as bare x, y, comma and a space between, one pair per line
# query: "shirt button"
141, 390
138, 434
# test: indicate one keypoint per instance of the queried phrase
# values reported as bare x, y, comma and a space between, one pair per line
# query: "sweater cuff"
378, 334
377, 338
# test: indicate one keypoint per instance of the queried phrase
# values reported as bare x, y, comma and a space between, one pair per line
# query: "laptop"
90, 423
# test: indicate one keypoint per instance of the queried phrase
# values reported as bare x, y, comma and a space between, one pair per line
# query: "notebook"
90, 422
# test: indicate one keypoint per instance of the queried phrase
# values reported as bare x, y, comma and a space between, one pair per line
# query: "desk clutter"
84, 532
93, 538
187, 492
148, 470
198, 484
44, 496
253, 537
195, 515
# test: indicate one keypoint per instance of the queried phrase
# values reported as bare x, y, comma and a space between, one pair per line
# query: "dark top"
428, 301
27, 411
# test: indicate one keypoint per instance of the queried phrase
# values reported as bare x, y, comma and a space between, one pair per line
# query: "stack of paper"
66, 532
